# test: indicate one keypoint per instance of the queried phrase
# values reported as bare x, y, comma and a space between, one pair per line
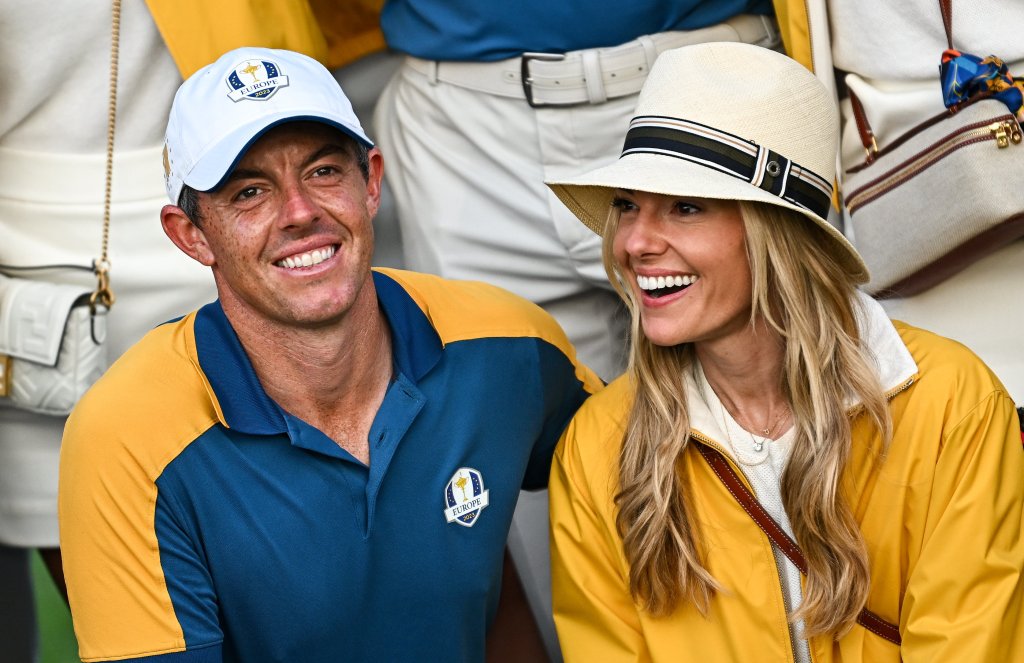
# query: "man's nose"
298, 207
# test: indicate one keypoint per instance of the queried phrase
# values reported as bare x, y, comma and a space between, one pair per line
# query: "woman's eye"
623, 205
686, 208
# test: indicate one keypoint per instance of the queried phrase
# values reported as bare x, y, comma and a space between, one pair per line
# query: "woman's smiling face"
686, 261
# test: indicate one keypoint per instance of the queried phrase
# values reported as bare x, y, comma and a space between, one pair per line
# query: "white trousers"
467, 170
51, 211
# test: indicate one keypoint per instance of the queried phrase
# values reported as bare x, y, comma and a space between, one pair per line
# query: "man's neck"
332, 377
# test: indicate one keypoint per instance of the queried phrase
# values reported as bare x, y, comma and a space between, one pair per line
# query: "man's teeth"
314, 257
650, 283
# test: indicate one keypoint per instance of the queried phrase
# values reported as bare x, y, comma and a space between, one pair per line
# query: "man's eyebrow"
327, 150
242, 174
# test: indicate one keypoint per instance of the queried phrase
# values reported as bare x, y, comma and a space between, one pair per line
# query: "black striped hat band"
732, 155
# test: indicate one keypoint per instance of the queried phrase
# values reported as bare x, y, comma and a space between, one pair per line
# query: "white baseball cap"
223, 108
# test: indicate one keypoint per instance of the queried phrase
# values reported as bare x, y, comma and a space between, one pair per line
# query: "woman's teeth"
659, 286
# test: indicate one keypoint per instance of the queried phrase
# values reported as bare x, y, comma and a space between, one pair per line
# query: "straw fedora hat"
729, 121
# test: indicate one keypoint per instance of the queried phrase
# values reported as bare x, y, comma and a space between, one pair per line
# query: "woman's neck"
745, 372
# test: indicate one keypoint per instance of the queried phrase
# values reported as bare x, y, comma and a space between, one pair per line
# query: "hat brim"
589, 196
220, 160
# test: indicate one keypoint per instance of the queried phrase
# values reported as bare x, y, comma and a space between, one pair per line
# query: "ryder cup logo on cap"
255, 79
225, 107
465, 497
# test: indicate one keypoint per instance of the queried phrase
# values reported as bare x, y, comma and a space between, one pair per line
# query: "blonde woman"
889, 457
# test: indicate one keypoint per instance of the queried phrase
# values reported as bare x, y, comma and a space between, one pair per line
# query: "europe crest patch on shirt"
465, 497
255, 79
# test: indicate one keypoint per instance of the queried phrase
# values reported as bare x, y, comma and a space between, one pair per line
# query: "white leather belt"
590, 76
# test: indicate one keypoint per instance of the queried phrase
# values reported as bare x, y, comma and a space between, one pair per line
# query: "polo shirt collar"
246, 407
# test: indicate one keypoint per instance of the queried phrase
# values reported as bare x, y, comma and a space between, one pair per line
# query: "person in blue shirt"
321, 465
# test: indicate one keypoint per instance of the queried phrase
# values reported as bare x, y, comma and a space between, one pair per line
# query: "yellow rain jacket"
941, 517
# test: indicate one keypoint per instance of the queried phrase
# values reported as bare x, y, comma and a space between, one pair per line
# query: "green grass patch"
57, 642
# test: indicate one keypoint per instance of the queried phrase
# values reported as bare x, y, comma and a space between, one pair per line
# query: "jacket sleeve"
594, 614
964, 599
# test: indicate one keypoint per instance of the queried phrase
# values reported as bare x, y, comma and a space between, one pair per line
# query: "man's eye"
247, 192
323, 171
623, 205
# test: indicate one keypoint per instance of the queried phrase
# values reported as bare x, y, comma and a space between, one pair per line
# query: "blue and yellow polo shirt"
201, 522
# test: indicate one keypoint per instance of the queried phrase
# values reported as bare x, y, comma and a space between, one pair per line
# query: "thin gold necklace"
770, 432
758, 442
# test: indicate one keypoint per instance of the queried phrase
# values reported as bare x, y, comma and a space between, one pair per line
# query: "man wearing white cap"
321, 465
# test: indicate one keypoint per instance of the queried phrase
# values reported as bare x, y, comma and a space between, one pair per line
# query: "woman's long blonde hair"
802, 292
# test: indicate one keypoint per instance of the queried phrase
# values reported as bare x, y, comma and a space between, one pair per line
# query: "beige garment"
51, 212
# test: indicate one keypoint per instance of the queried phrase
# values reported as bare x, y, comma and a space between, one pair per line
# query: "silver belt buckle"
524, 73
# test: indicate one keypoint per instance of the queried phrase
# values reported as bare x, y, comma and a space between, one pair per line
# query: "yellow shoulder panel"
467, 310
135, 420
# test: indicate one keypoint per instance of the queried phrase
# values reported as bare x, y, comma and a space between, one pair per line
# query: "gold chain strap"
104, 295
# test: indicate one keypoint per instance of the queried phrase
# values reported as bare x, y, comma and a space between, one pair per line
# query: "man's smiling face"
289, 235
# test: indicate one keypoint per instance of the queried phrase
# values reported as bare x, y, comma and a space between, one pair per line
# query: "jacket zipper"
1004, 130
889, 395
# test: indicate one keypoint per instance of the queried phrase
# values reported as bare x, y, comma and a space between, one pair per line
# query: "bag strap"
778, 536
103, 295
867, 136
946, 7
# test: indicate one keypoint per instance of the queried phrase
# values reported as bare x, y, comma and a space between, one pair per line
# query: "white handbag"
930, 201
938, 197
51, 344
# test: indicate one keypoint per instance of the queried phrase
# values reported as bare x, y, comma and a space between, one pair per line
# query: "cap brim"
589, 196
220, 160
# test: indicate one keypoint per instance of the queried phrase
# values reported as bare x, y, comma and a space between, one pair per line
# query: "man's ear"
186, 235
373, 181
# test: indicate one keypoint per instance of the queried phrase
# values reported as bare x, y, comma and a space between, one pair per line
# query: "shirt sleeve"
566, 384
594, 613
964, 599
137, 583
